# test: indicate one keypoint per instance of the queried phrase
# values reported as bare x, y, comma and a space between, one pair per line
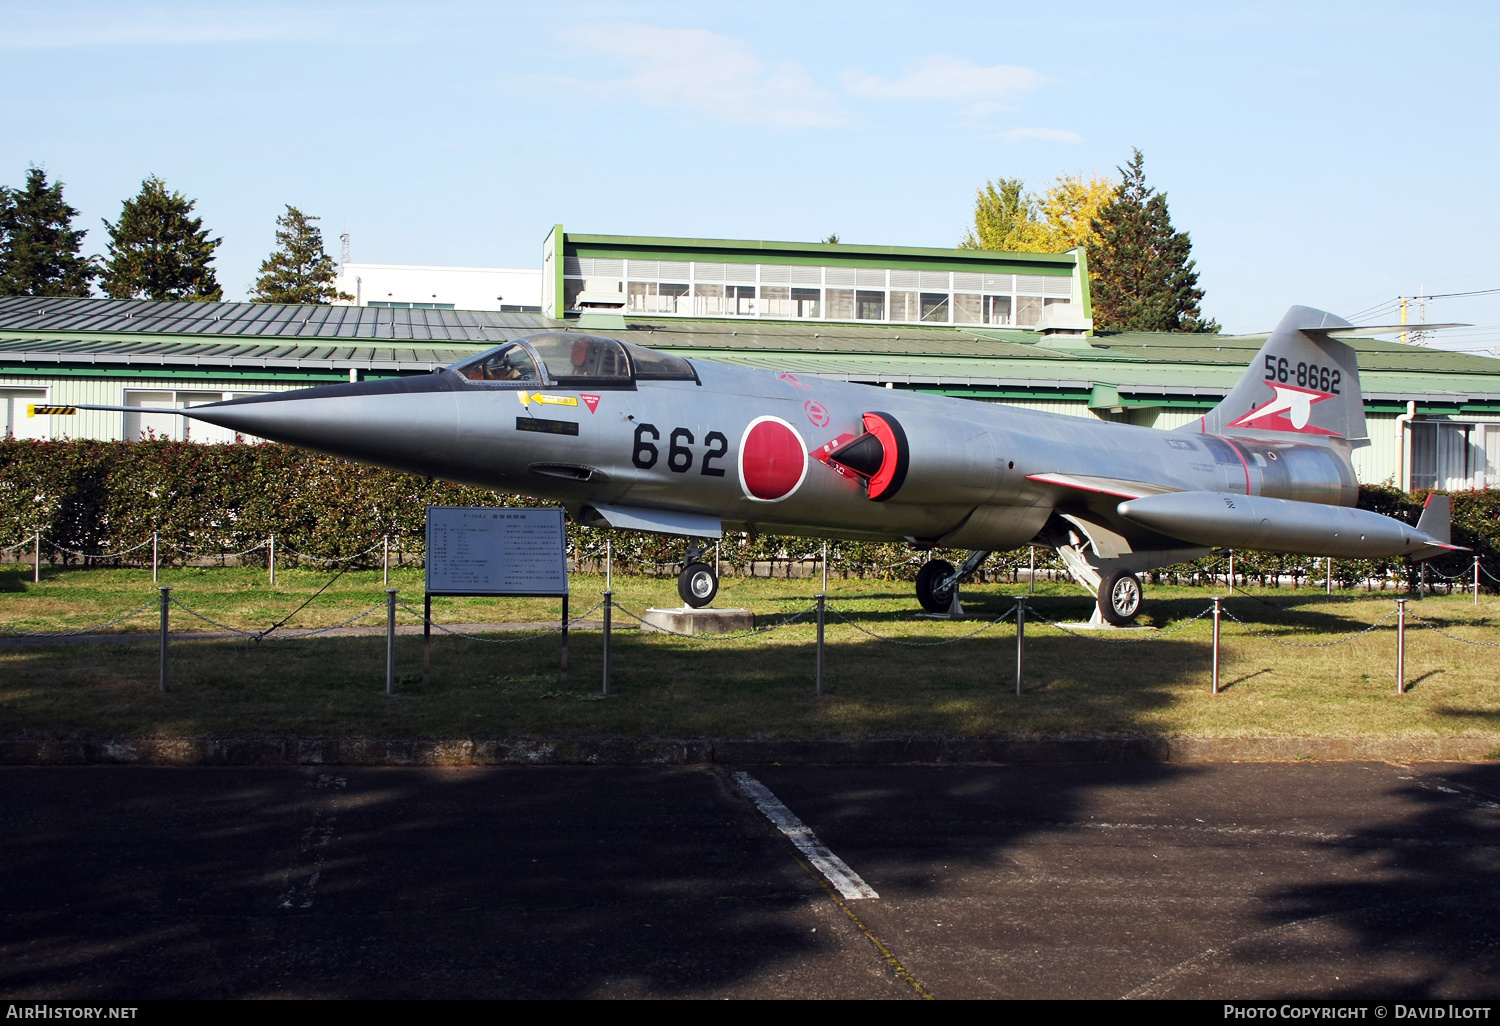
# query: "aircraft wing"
1102, 485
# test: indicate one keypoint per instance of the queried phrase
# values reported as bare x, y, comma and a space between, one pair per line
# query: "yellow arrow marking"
546, 400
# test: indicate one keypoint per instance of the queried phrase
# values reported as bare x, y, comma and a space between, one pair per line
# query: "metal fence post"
1476, 580
1218, 609
426, 639
1031, 587
822, 608
390, 641
153, 557
385, 559
1328, 587
1020, 641
1231, 571
1401, 646
36, 560
609, 606
166, 600
562, 671
825, 566
271, 561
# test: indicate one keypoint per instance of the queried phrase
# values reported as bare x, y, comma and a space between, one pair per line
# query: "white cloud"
1015, 135
946, 78
693, 69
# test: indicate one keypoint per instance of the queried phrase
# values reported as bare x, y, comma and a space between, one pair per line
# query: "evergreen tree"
38, 246
158, 251
300, 271
1141, 272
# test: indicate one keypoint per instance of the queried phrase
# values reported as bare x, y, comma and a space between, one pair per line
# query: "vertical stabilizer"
1437, 518
1302, 382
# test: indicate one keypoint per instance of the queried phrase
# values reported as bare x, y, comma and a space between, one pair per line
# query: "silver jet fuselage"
759, 450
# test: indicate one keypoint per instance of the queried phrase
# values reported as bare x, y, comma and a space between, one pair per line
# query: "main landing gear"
937, 582
1119, 597
697, 584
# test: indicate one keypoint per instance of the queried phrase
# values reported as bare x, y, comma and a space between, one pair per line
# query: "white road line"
845, 880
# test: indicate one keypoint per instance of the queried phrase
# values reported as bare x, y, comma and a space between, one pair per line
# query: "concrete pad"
697, 621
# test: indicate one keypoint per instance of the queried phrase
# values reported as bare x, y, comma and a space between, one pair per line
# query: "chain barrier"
17, 545
330, 559
82, 630
211, 555
96, 555
1314, 644
323, 630
209, 619
1452, 637
502, 641
720, 637
926, 644
1157, 636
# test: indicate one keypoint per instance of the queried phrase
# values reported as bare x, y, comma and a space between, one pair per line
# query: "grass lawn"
761, 687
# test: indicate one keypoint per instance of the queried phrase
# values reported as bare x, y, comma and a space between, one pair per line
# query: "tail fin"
1302, 382
1436, 521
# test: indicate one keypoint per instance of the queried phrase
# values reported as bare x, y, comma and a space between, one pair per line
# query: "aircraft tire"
697, 584
933, 571
1120, 598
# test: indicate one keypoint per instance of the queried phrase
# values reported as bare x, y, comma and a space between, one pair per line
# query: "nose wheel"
933, 590
697, 584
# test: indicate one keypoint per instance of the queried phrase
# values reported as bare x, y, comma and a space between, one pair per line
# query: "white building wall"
463, 288
17, 393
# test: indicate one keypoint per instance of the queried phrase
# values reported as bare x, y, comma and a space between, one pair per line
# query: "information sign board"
489, 550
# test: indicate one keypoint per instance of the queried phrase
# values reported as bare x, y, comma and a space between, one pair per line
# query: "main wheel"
697, 584
1120, 597
935, 599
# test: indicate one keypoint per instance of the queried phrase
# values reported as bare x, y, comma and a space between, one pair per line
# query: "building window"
904, 307
841, 304
869, 306
708, 300
739, 300
997, 309
1028, 310
805, 303
388, 305
657, 298
967, 307
935, 307
775, 301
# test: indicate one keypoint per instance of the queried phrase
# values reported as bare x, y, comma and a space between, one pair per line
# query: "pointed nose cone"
406, 424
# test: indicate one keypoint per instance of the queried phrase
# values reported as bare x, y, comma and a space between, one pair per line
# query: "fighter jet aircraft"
633, 438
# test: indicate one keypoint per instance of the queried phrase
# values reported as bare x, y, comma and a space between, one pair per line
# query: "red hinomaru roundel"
773, 460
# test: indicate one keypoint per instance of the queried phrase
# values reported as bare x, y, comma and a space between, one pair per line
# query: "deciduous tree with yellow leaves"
1007, 218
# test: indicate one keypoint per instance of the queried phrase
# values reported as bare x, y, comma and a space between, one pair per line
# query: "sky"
1330, 155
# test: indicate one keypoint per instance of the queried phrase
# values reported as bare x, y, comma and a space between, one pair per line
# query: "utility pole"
1403, 319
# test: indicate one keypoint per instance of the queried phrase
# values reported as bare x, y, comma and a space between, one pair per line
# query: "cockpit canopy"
577, 360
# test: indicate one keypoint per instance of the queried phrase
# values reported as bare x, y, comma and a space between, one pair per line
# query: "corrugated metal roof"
137, 333
259, 320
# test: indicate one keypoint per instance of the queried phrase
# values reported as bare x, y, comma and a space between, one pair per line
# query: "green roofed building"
995, 327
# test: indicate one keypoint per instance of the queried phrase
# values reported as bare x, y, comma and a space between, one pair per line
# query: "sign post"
496, 550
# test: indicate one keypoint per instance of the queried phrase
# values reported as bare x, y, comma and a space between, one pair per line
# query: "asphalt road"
1365, 880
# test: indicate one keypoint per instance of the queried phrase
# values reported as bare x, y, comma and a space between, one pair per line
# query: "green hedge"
101, 497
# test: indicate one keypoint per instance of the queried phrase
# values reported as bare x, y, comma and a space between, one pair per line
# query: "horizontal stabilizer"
1362, 330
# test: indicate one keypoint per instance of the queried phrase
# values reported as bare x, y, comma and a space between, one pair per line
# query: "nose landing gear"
937, 581
697, 584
